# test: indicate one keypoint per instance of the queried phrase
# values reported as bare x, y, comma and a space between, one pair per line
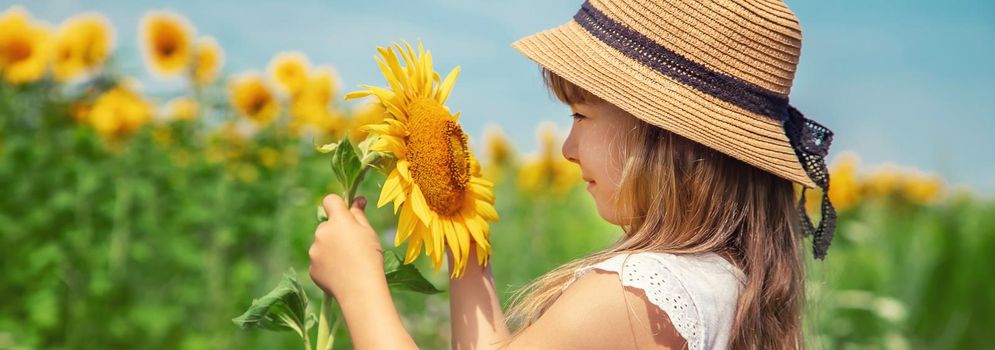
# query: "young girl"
683, 132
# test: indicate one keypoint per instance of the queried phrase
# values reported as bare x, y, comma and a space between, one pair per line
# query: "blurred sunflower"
310, 106
251, 97
921, 188
548, 172
181, 108
370, 113
844, 187
24, 47
436, 181
208, 59
82, 46
119, 112
499, 152
166, 39
290, 71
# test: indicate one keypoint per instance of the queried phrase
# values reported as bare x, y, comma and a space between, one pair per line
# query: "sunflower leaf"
405, 277
345, 164
283, 308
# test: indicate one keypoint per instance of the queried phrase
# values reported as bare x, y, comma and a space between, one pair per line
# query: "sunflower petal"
486, 210
447, 85
463, 236
405, 226
420, 206
414, 248
358, 94
391, 188
403, 168
389, 75
476, 232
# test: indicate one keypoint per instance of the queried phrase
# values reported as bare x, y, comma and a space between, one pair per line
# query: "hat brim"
573, 53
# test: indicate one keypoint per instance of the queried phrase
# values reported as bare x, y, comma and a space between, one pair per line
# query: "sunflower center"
18, 50
437, 151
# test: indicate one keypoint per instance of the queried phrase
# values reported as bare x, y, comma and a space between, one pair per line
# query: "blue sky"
909, 82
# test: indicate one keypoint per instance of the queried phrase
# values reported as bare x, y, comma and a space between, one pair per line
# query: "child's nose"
569, 148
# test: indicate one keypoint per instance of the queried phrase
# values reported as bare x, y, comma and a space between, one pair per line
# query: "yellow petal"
405, 226
447, 85
438, 249
414, 247
486, 210
402, 167
464, 239
420, 206
454, 242
476, 232
358, 94
391, 188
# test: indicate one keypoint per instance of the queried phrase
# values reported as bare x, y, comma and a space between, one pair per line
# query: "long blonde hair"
705, 201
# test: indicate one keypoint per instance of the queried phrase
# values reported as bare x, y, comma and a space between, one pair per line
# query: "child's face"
596, 144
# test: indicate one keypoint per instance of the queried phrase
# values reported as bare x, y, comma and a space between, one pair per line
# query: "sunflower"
119, 112
83, 44
24, 47
208, 59
252, 98
548, 172
843, 183
436, 181
371, 113
166, 39
290, 71
500, 153
181, 108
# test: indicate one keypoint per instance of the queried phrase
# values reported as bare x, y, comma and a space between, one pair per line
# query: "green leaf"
345, 163
283, 308
405, 277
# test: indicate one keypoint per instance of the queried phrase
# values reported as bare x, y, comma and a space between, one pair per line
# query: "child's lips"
590, 184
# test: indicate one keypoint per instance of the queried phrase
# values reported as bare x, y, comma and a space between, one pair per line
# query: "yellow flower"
436, 181
166, 41
290, 71
208, 59
922, 188
499, 152
371, 113
883, 181
844, 188
269, 157
182, 108
83, 44
310, 105
119, 112
549, 172
252, 98
24, 47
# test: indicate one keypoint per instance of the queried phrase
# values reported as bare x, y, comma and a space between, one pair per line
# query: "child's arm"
346, 262
477, 319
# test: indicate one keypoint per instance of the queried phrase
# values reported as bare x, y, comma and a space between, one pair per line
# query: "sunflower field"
133, 220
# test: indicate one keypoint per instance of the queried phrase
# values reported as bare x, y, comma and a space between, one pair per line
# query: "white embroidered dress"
697, 291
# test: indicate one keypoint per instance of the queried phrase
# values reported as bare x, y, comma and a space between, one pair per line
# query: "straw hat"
716, 72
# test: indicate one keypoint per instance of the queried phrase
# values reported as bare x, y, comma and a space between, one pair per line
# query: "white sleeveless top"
699, 292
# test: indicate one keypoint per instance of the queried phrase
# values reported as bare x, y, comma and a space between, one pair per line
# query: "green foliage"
156, 245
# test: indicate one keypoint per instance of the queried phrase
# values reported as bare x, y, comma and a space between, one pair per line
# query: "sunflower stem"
324, 333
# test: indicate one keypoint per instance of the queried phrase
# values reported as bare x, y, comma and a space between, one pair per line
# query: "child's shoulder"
696, 292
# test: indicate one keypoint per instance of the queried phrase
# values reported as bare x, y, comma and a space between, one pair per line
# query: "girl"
683, 131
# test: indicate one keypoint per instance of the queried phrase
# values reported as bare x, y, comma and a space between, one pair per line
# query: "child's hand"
346, 255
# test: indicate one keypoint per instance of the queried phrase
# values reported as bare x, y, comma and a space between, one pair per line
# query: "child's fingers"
358, 205
335, 207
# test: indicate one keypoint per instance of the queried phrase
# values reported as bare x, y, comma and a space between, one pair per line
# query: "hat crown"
756, 41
